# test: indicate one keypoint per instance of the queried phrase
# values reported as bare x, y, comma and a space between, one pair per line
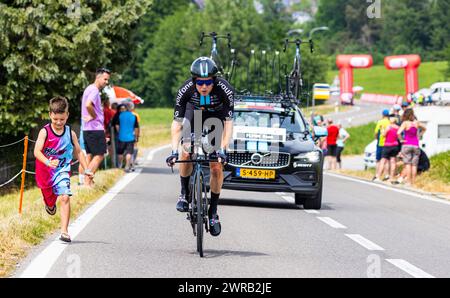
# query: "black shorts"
125, 148
389, 152
95, 142
332, 150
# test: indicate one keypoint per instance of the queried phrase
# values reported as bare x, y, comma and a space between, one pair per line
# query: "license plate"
255, 174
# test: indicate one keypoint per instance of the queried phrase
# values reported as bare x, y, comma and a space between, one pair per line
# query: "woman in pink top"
390, 149
409, 137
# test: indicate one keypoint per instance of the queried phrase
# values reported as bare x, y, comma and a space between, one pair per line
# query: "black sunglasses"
103, 70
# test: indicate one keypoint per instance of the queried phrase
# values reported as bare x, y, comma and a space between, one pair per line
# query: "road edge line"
428, 196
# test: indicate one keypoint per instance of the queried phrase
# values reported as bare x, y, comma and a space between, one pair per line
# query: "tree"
142, 40
331, 14
440, 35
404, 27
407, 26
175, 44
53, 49
447, 54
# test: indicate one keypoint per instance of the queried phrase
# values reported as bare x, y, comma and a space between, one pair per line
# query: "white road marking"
366, 243
152, 153
406, 192
332, 223
41, 265
311, 211
409, 268
290, 199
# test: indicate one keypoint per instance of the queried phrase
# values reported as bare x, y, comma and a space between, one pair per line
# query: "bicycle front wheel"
199, 204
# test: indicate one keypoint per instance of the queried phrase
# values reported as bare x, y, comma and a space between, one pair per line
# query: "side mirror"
320, 132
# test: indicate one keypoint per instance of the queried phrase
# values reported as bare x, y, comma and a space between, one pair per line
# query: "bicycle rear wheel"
198, 197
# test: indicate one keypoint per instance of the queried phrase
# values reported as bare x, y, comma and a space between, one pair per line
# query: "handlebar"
198, 161
214, 36
298, 42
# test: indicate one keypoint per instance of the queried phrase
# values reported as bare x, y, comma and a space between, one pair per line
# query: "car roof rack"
284, 101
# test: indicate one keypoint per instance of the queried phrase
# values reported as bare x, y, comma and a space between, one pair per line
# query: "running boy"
54, 148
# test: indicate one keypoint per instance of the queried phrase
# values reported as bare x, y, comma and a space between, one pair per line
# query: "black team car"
274, 150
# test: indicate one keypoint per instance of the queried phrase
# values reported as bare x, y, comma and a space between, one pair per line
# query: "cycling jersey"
219, 102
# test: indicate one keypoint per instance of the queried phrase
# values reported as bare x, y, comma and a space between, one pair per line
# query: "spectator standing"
405, 106
113, 123
381, 126
396, 113
413, 131
109, 114
390, 149
83, 151
135, 151
343, 137
333, 134
93, 117
128, 130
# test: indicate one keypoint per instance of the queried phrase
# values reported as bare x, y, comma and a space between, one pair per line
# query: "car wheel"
299, 199
314, 202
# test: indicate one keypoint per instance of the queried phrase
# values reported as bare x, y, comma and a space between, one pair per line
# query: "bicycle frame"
294, 82
215, 54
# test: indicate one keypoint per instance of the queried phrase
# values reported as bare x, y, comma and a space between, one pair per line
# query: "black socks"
185, 186
214, 202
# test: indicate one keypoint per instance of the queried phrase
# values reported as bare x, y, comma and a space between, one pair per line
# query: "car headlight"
313, 156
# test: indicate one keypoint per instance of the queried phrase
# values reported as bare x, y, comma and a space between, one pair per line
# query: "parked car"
370, 151
440, 93
437, 136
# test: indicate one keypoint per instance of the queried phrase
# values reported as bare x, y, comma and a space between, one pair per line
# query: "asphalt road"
361, 113
362, 231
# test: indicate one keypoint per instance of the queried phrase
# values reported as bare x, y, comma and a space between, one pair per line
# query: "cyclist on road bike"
208, 96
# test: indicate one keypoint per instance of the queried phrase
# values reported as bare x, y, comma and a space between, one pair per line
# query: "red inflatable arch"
410, 63
346, 63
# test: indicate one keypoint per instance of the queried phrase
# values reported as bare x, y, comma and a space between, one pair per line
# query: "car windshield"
291, 121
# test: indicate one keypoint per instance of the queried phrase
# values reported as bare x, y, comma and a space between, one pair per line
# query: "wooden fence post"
24, 168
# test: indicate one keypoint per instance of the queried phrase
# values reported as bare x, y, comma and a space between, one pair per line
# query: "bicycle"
294, 81
215, 54
198, 205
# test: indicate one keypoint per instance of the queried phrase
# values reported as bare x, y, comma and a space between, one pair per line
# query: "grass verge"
360, 137
155, 126
19, 233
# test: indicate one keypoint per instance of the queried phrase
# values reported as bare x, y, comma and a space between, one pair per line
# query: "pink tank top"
58, 147
391, 137
411, 137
